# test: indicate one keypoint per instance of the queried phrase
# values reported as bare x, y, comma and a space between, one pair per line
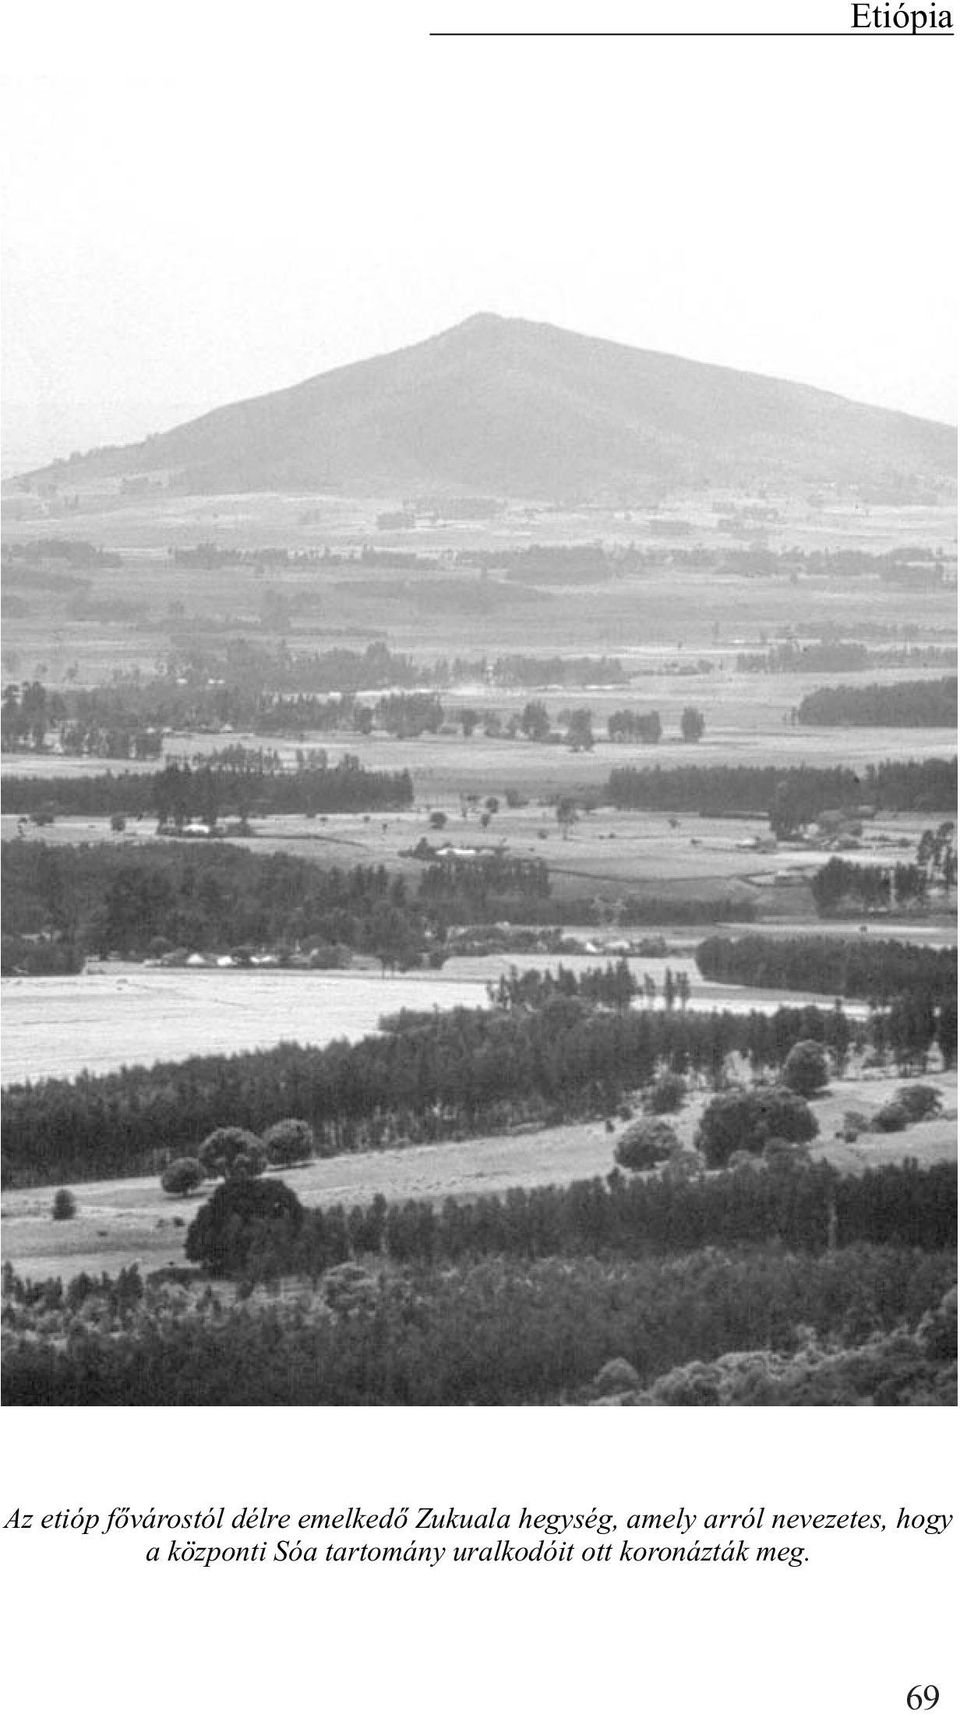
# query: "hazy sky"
210, 203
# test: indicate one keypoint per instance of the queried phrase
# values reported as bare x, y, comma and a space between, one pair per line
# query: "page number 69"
923, 1696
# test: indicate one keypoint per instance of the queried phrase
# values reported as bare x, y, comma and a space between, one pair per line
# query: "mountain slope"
525, 409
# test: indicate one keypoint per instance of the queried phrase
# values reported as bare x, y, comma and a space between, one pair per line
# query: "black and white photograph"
479, 683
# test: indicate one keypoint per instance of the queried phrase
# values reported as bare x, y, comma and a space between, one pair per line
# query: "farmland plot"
114, 1015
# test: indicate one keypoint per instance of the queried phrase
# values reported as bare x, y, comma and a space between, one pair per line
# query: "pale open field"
115, 1015
126, 1221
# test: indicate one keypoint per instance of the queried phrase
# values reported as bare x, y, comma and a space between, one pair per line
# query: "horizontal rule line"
677, 35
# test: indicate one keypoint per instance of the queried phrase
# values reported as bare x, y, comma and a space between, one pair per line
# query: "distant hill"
523, 409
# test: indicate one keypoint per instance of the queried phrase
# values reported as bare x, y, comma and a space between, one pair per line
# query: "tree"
692, 725
288, 1142
438, 820
946, 1033
838, 1035
242, 1214
567, 815
580, 730
118, 823
64, 1206
469, 719
891, 1117
535, 722
646, 1144
746, 1119
919, 1100
229, 1151
785, 818
806, 1070
182, 1176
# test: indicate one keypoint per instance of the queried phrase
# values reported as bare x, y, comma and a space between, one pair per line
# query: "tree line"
835, 656
96, 899
914, 702
808, 1210
855, 969
464, 1073
802, 793
840, 886
204, 792
613, 986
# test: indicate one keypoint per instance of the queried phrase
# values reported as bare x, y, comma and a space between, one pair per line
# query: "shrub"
289, 1141
854, 1123
241, 1215
64, 1206
667, 1094
616, 1376
646, 1145
807, 1069
745, 1119
182, 1176
892, 1117
919, 1101
220, 1152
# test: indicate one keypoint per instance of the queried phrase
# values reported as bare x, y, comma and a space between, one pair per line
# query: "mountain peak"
502, 405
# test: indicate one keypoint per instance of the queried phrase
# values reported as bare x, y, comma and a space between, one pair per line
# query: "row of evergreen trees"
860, 968
810, 1210
801, 793
912, 702
180, 793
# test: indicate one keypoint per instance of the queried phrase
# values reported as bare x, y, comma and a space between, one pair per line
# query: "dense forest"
916, 702
149, 900
459, 1074
799, 794
856, 969
180, 793
865, 1324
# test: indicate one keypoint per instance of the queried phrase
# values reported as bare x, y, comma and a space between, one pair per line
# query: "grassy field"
130, 1220
622, 848
115, 1015
448, 609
